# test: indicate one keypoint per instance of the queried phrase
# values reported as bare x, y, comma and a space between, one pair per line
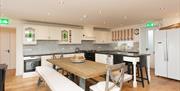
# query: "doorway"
150, 46
8, 47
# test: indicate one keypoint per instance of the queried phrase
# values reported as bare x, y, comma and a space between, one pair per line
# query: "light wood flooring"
14, 83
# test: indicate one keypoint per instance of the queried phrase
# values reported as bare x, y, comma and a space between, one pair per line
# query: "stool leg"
138, 71
142, 79
147, 75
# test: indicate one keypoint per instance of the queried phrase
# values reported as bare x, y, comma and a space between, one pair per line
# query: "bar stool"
140, 65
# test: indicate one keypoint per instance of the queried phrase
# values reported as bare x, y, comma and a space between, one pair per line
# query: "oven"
30, 63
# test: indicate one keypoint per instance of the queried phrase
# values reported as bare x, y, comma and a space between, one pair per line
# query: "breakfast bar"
130, 57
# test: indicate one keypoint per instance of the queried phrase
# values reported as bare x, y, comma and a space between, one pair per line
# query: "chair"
114, 79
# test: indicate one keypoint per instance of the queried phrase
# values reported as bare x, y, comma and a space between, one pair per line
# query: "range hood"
88, 33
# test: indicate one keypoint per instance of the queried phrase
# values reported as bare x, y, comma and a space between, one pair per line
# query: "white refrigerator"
167, 53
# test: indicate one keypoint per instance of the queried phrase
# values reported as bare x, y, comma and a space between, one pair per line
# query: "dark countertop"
45, 54
129, 54
112, 52
3, 66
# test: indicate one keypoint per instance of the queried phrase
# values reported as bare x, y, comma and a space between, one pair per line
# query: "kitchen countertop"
51, 54
129, 54
112, 52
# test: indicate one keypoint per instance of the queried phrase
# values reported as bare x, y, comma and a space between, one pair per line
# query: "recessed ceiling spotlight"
84, 16
104, 22
60, 2
162, 8
48, 14
125, 17
99, 12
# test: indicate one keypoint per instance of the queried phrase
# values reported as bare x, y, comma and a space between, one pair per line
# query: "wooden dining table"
85, 70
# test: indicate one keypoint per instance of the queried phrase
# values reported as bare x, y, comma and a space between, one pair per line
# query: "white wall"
19, 44
170, 20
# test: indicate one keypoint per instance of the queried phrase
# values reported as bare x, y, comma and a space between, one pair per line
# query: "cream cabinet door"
99, 36
42, 33
68, 55
76, 36
102, 58
102, 37
54, 33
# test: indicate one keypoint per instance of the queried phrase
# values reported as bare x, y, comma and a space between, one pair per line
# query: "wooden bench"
55, 80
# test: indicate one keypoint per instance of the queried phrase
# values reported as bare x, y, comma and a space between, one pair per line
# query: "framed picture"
64, 35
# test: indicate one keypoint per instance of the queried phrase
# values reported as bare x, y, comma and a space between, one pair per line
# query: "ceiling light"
104, 22
48, 14
162, 8
99, 12
60, 2
84, 16
125, 17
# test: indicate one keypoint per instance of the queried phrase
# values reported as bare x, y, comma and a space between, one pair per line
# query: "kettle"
77, 49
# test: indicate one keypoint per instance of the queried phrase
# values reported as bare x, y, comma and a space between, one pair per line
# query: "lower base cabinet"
44, 61
102, 58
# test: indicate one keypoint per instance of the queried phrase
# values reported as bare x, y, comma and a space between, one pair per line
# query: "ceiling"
99, 13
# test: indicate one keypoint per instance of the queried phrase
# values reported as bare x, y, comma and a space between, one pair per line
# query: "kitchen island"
119, 57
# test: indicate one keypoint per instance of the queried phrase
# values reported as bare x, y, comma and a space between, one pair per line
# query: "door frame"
15, 31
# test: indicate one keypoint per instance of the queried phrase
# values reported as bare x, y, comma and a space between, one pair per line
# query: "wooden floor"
14, 83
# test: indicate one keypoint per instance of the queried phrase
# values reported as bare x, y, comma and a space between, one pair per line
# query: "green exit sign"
150, 24
4, 21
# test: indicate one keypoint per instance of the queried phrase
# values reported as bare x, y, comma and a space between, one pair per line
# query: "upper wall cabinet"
29, 35
88, 33
47, 33
70, 36
102, 36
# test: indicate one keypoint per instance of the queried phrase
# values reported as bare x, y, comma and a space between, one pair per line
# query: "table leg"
148, 67
134, 75
82, 83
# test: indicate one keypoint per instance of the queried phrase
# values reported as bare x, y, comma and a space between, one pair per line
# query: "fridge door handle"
165, 54
167, 58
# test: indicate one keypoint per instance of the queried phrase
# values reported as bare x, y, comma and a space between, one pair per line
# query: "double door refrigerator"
167, 53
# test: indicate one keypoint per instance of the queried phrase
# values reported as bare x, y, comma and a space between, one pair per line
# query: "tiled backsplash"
44, 47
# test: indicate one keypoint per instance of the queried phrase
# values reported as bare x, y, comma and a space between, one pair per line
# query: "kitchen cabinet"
29, 35
167, 53
54, 33
70, 36
102, 58
47, 33
44, 61
88, 33
102, 37
72, 55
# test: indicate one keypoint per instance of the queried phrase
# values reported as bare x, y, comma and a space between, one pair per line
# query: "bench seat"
56, 81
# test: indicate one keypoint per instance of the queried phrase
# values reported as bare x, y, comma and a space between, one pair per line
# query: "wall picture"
64, 35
